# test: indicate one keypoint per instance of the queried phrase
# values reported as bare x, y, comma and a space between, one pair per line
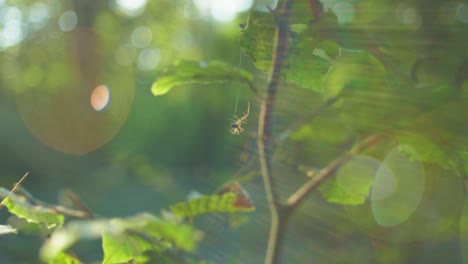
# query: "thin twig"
57, 208
296, 199
15, 188
265, 125
79, 203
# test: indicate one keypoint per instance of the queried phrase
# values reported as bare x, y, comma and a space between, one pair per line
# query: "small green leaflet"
32, 213
225, 203
186, 72
6, 229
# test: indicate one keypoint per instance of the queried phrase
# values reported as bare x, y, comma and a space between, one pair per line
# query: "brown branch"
79, 203
265, 135
296, 199
15, 188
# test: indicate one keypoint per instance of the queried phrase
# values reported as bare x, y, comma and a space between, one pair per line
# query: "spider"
236, 125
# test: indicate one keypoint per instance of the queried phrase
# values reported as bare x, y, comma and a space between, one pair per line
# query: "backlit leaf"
186, 72
420, 148
357, 69
352, 182
31, 213
309, 57
142, 232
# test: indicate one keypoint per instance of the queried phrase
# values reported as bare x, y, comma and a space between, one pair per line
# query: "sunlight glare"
100, 98
398, 187
11, 31
131, 7
223, 10
38, 13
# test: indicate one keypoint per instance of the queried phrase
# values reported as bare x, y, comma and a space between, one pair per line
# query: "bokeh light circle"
100, 97
78, 114
398, 187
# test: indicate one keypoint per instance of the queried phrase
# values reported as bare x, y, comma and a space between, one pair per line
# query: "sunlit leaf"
124, 248
357, 69
399, 186
31, 213
142, 232
6, 229
420, 148
352, 182
63, 258
186, 72
64, 237
308, 60
225, 203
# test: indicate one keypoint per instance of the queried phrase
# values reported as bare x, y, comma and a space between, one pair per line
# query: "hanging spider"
236, 125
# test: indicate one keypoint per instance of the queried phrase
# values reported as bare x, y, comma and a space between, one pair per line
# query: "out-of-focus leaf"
63, 258
6, 229
308, 60
398, 187
66, 236
352, 182
225, 203
141, 231
357, 69
31, 213
237, 220
186, 72
124, 248
420, 148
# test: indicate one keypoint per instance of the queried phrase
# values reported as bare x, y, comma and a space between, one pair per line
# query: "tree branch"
296, 199
265, 125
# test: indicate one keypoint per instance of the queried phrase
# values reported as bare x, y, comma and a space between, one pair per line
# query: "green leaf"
63, 258
186, 72
309, 57
6, 229
225, 203
124, 248
64, 237
357, 69
420, 148
145, 232
352, 182
398, 187
142, 231
31, 213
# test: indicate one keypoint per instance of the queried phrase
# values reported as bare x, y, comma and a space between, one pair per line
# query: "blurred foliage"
397, 68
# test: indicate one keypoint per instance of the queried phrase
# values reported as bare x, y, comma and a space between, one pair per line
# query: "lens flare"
398, 187
100, 97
